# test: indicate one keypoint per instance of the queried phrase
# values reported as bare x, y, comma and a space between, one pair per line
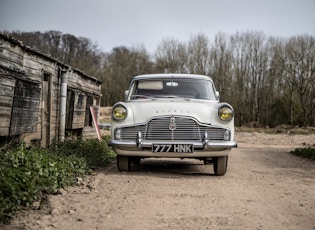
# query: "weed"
28, 174
308, 152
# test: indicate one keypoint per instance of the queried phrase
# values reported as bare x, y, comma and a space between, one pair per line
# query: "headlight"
225, 113
119, 113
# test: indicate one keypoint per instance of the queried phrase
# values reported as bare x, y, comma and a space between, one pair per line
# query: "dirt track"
265, 188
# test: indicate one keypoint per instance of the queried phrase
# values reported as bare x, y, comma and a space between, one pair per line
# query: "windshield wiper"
174, 96
140, 96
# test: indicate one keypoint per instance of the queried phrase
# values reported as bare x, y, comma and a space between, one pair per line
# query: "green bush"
308, 152
27, 174
96, 153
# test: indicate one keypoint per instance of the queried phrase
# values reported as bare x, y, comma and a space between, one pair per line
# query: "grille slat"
186, 129
130, 133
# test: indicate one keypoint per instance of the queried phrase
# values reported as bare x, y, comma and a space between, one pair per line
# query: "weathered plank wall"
79, 111
36, 66
83, 83
22, 100
7, 84
76, 105
25, 108
11, 54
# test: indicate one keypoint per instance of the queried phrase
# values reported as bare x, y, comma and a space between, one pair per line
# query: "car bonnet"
199, 109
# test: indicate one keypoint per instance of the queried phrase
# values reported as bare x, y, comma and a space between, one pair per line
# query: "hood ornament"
172, 125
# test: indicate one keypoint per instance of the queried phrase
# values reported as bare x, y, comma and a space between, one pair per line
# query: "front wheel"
220, 165
123, 163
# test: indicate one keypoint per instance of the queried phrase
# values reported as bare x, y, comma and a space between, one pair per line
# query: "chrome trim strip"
176, 116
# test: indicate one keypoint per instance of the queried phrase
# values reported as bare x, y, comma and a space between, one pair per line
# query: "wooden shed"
42, 98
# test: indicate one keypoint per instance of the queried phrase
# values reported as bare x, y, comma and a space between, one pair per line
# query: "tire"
123, 163
220, 165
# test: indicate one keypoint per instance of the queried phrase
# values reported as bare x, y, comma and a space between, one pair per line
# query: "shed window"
46, 76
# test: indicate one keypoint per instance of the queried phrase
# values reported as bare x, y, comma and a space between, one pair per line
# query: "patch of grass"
308, 152
28, 174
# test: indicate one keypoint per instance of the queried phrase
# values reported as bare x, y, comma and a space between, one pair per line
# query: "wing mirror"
126, 95
217, 94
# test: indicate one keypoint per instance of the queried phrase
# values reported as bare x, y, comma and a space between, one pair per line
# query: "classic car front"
172, 116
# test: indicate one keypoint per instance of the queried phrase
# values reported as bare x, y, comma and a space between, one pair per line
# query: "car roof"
171, 75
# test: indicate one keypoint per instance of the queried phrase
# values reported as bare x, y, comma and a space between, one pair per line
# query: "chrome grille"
130, 133
186, 129
213, 133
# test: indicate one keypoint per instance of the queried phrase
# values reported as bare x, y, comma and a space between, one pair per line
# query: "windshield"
172, 88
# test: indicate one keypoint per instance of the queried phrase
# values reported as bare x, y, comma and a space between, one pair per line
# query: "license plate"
174, 148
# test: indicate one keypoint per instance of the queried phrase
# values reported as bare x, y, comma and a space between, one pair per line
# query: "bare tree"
274, 106
53, 40
241, 97
171, 57
220, 66
300, 69
120, 66
198, 55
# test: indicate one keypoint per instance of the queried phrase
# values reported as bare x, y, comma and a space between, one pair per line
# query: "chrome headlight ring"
119, 112
225, 112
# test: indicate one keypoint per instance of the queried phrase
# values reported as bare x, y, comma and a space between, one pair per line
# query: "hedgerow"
27, 174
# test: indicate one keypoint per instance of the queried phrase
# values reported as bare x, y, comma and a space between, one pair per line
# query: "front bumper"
201, 149
198, 145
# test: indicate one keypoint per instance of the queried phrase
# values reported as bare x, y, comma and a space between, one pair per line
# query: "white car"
172, 116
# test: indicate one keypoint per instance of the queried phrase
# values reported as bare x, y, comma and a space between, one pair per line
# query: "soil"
265, 187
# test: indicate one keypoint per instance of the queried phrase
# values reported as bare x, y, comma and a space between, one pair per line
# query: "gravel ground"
265, 187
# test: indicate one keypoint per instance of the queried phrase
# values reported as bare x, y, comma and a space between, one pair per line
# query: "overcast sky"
133, 23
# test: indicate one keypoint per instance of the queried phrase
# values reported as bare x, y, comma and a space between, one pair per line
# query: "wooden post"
97, 129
